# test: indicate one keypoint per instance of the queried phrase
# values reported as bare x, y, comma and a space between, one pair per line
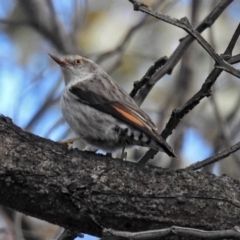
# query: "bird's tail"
163, 146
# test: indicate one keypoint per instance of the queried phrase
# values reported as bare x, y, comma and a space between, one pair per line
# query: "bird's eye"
78, 61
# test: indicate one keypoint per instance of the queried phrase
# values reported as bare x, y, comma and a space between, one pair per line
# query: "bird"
100, 112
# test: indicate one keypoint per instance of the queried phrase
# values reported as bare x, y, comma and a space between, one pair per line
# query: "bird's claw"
124, 156
69, 142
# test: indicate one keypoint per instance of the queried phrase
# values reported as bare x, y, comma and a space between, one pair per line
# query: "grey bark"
84, 192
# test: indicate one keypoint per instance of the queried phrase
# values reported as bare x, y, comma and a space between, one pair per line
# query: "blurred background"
124, 43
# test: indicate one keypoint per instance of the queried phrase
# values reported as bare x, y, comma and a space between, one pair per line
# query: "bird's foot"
90, 148
69, 142
124, 154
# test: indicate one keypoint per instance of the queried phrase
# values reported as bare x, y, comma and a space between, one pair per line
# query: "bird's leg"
70, 141
90, 148
124, 154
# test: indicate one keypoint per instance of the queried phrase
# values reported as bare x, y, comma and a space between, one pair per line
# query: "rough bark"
44, 179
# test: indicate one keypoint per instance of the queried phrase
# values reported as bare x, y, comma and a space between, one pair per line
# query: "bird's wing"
124, 111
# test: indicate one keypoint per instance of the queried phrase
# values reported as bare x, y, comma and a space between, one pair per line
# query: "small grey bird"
102, 113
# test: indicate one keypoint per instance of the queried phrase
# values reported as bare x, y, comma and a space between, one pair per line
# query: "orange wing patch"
129, 116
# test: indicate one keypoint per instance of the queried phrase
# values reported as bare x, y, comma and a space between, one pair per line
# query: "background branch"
180, 50
205, 91
179, 231
219, 156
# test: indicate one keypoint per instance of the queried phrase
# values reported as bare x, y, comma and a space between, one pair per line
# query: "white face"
69, 75
76, 68
74, 73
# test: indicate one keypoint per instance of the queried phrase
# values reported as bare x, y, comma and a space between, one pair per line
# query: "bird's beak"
61, 62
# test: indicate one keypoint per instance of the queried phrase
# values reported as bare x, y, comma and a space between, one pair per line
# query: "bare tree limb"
185, 25
180, 50
205, 91
145, 79
180, 231
234, 59
219, 156
76, 189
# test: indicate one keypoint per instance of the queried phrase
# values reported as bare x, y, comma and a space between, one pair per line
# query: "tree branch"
180, 50
205, 91
185, 25
76, 189
175, 230
219, 156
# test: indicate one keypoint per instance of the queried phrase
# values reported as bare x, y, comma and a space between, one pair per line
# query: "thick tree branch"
74, 189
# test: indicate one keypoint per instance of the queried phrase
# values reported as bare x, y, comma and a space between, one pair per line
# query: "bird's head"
75, 68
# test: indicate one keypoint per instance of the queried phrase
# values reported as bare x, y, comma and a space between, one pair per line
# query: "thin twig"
219, 156
180, 112
151, 71
179, 231
224, 135
180, 50
233, 42
234, 59
185, 25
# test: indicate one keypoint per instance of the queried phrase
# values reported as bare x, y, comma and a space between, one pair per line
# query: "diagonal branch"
185, 25
219, 156
145, 79
233, 42
180, 50
205, 91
